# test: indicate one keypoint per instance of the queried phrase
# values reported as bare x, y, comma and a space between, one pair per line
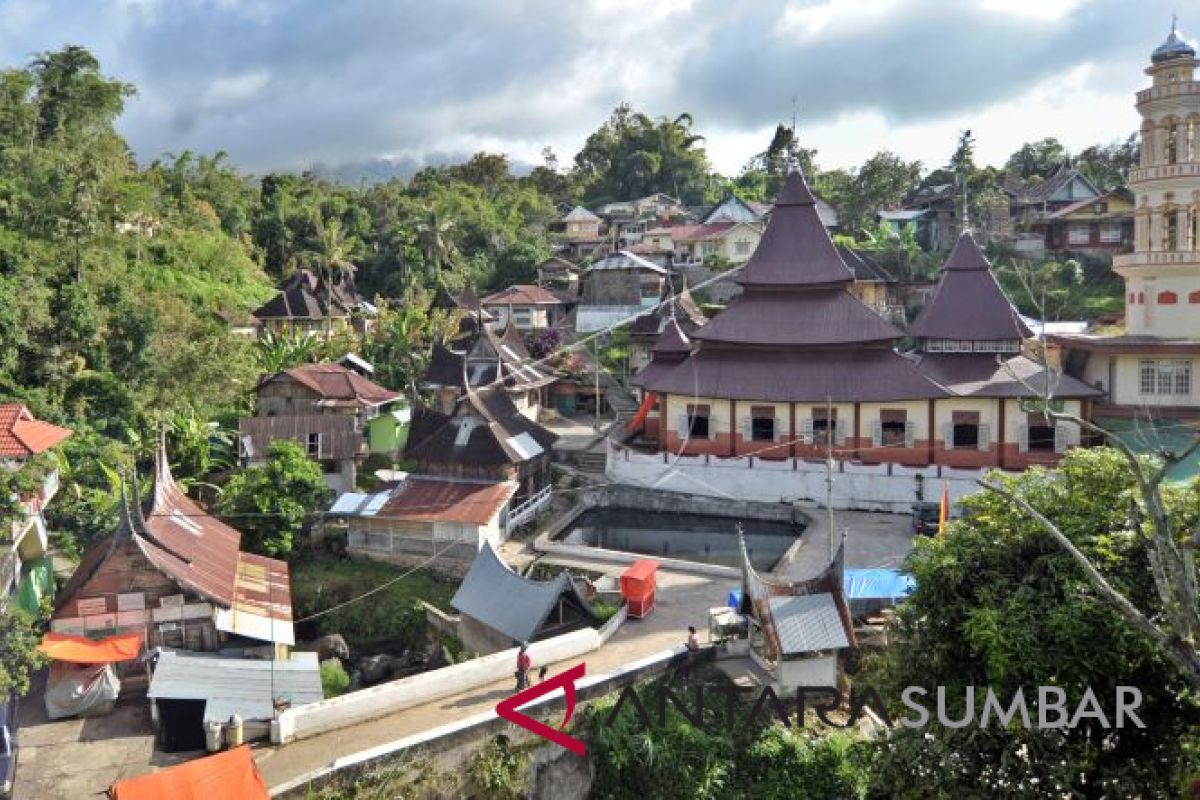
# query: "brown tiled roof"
795, 250
981, 375
426, 499
22, 436
968, 302
339, 386
522, 295
810, 376
821, 317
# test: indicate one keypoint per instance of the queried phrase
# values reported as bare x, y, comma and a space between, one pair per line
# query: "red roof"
522, 295
22, 436
436, 500
338, 385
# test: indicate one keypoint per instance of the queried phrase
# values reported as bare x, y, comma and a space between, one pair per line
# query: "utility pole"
830, 428
596, 359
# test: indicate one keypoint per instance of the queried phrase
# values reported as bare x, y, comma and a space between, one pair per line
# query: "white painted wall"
812, 672
856, 486
312, 719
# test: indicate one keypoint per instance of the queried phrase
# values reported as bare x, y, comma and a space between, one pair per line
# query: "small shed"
810, 633
638, 585
190, 689
500, 607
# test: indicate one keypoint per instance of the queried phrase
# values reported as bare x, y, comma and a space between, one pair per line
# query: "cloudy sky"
290, 83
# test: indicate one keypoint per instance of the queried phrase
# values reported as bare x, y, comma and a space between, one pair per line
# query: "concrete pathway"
873, 540
682, 600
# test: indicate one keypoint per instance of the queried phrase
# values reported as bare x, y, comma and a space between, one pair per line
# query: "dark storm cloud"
285, 84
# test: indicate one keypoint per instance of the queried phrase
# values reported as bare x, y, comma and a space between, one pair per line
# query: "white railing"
526, 511
1156, 258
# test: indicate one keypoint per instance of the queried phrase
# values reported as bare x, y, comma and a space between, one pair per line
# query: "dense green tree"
273, 502
20, 635
632, 155
763, 175
1000, 603
1037, 159
1108, 165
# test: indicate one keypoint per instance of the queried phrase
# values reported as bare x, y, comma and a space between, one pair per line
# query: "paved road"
682, 600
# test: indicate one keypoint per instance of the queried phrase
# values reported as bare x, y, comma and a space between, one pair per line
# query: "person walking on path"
524, 664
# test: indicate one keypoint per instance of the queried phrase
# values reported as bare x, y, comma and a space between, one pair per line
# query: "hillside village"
299, 473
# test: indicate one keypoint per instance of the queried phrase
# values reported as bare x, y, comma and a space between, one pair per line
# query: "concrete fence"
856, 486
311, 719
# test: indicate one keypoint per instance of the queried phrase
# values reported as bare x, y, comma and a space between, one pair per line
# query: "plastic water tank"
212, 736
234, 732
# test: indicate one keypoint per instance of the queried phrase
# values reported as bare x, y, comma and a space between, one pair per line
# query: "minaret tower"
1162, 275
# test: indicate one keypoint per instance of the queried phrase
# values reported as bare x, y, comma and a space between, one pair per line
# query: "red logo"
507, 709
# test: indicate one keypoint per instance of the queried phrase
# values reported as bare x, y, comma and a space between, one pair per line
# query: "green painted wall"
386, 434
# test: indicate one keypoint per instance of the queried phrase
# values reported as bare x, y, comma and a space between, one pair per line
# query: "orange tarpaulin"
82, 650
643, 411
231, 774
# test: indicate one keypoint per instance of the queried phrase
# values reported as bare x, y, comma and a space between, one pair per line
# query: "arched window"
1141, 297
1172, 142
1167, 298
1170, 238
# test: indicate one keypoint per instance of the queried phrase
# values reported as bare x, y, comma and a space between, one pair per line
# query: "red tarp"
231, 774
643, 411
82, 650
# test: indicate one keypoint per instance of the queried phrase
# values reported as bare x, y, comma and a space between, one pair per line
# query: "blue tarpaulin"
864, 584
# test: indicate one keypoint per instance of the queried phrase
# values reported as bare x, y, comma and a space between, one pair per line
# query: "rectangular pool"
690, 537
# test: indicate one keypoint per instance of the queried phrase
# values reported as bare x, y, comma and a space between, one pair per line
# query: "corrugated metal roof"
235, 685
426, 499
807, 623
503, 600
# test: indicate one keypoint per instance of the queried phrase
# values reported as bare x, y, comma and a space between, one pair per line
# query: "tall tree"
1108, 165
1037, 159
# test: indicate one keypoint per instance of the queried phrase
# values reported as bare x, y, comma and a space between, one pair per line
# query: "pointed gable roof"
968, 303
795, 251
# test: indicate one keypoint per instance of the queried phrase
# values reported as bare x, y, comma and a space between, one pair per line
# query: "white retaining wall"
303, 721
862, 487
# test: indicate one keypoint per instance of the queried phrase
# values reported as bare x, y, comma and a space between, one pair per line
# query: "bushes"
498, 770
603, 611
334, 680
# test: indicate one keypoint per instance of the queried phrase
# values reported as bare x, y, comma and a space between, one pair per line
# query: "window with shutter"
985, 437
1043, 434
808, 433
876, 433
745, 429
1023, 439
761, 423
910, 434
948, 435
840, 429
894, 427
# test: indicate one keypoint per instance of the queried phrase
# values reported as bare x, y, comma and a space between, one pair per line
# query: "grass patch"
388, 620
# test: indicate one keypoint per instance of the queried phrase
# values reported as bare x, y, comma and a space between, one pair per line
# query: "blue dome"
1173, 47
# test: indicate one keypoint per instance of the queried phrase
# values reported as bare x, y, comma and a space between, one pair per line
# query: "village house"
24, 442
1032, 200
797, 366
529, 307
934, 211
491, 357
616, 289
733, 209
720, 242
481, 469
1096, 228
581, 236
629, 220
559, 275
500, 609
308, 304
327, 409
873, 284
176, 575
1147, 372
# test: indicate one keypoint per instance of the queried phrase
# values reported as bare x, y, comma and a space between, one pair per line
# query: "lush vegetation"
388, 620
20, 634
273, 502
1000, 604
334, 680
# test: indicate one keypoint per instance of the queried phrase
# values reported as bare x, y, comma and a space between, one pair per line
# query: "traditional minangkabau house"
176, 575
489, 357
308, 303
799, 632
799, 368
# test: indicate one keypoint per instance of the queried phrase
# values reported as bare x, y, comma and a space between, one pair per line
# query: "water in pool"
692, 537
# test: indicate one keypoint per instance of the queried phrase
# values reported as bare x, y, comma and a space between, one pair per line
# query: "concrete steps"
592, 462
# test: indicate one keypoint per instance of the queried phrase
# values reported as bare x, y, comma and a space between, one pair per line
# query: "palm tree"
433, 227
331, 255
